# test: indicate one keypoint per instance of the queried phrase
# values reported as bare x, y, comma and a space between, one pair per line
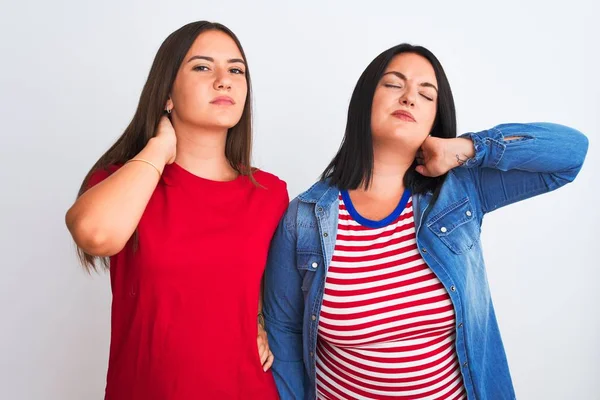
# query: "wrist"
158, 151
260, 318
460, 151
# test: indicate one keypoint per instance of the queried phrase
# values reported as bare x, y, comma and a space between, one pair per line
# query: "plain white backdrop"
70, 76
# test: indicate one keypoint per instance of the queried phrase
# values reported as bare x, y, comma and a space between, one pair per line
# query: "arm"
266, 355
103, 219
510, 162
284, 309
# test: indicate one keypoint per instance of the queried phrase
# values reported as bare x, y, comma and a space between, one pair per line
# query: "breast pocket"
456, 226
308, 264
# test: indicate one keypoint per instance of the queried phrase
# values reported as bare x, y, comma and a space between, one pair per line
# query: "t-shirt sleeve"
285, 197
100, 174
281, 199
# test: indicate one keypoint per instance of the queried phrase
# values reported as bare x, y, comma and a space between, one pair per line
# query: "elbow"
582, 149
574, 141
91, 238
578, 145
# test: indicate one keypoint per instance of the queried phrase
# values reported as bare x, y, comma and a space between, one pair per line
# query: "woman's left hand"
438, 155
266, 356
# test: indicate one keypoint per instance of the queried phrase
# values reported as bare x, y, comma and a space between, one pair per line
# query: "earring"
168, 110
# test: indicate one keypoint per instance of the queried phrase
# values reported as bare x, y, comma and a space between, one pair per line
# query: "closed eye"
427, 97
389, 85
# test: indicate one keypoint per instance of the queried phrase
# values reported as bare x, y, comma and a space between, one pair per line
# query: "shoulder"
99, 174
276, 189
318, 191
270, 181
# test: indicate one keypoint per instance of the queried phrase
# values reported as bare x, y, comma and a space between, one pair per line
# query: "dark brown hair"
151, 106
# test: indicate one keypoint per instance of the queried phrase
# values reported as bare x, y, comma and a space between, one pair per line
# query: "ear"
169, 105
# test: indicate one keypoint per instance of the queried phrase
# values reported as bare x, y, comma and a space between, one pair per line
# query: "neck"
389, 167
201, 151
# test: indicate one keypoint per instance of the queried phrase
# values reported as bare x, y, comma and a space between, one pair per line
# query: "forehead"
215, 44
413, 66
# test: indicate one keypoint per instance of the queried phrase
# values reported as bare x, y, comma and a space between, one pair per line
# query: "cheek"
431, 114
378, 110
379, 101
241, 92
427, 116
190, 95
241, 98
377, 123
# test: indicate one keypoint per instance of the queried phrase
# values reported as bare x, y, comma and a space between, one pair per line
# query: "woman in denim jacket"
375, 284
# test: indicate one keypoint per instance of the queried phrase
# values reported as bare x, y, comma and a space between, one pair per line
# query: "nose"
222, 81
408, 98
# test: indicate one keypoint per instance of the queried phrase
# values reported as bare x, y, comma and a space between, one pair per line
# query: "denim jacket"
535, 158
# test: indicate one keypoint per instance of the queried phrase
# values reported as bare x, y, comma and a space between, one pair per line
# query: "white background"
70, 77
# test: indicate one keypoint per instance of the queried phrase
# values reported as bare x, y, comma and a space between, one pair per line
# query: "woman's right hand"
165, 135
103, 219
264, 352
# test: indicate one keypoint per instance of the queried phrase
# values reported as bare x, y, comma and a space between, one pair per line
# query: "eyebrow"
403, 77
231, 60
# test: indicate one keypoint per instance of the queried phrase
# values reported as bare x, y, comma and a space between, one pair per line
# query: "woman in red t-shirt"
184, 223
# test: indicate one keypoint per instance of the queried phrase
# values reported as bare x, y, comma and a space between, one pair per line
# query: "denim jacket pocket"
308, 263
456, 226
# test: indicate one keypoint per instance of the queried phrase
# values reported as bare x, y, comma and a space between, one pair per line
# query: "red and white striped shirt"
386, 328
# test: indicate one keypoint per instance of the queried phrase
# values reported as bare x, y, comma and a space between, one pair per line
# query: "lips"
404, 115
223, 101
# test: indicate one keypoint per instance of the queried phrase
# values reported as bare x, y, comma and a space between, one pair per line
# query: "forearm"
538, 147
103, 219
259, 312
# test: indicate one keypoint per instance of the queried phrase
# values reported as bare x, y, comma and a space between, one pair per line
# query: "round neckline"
369, 223
174, 173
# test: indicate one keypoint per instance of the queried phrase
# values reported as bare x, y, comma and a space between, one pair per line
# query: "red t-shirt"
185, 301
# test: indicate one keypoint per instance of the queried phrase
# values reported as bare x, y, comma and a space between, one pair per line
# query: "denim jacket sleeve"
283, 308
513, 162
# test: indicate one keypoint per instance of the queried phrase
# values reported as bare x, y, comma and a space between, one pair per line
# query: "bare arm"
260, 302
266, 356
103, 219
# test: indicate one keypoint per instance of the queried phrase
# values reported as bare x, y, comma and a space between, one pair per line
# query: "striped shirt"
387, 325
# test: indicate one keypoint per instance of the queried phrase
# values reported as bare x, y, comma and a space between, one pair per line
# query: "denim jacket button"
320, 209
325, 234
314, 317
443, 229
460, 325
469, 213
453, 288
465, 364
424, 250
315, 265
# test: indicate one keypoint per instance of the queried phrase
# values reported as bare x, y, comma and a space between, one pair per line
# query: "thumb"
421, 169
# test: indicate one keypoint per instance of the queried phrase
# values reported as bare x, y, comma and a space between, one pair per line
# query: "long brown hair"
150, 109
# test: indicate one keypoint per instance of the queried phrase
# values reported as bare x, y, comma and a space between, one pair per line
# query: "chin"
400, 138
396, 134
227, 124
217, 123
226, 120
